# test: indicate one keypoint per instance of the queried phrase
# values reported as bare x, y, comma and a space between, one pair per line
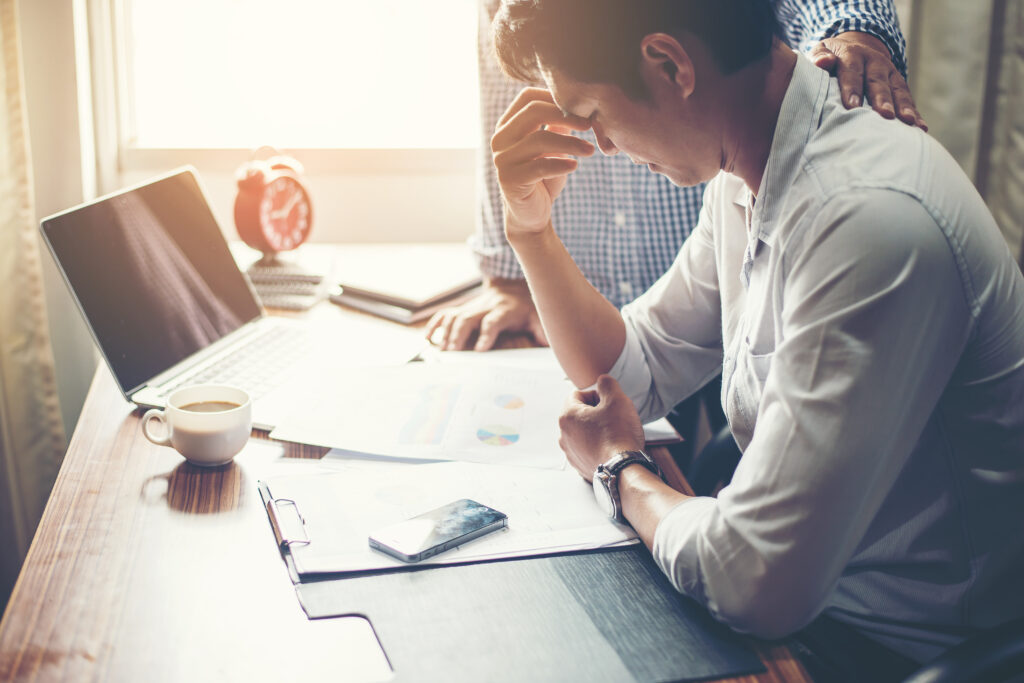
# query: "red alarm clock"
273, 212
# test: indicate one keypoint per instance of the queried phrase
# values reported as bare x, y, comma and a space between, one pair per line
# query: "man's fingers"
532, 172
536, 116
462, 327
607, 386
879, 90
824, 58
587, 397
904, 101
491, 326
434, 323
542, 143
439, 336
851, 82
525, 97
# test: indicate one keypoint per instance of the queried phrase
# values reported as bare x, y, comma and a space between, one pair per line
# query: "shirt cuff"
677, 545
496, 261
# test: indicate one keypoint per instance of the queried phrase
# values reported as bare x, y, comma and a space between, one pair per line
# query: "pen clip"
274, 514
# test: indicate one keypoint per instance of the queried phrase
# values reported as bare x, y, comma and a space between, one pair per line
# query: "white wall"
47, 42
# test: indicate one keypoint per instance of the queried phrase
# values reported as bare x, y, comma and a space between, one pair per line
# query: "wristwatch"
606, 480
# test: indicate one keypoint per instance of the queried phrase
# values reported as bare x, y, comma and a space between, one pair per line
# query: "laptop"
166, 304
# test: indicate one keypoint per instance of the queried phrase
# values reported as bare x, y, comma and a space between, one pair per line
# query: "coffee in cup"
207, 423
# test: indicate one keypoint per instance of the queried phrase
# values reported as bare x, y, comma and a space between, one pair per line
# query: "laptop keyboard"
257, 367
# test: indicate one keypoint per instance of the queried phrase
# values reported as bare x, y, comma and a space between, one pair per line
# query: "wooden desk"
146, 568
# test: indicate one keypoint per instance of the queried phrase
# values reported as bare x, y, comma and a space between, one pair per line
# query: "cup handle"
157, 415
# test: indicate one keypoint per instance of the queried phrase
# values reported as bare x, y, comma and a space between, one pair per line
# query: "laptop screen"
153, 275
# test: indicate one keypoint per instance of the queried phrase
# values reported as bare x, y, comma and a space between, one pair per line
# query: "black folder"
607, 615
596, 616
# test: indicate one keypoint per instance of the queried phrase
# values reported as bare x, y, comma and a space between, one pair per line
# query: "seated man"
624, 226
845, 278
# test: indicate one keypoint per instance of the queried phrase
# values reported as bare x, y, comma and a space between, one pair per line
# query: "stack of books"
419, 280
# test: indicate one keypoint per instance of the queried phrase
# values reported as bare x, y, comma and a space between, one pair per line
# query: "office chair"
989, 657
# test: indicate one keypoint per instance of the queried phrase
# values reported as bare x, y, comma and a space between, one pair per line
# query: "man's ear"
665, 59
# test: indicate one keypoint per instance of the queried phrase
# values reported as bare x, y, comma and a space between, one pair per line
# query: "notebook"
152, 274
416, 275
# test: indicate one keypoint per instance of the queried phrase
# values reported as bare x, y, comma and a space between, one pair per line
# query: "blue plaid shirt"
622, 224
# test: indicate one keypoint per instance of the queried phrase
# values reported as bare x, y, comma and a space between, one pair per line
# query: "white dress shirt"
868, 321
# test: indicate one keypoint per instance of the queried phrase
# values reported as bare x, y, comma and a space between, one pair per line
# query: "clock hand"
287, 207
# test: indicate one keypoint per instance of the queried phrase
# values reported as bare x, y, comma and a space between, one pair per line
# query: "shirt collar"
799, 116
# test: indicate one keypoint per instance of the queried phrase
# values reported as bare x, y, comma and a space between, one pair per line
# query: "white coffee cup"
206, 423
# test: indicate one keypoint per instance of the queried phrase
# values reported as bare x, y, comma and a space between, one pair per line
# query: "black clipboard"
597, 615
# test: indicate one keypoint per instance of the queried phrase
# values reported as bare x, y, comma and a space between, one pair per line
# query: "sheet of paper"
541, 359
431, 411
548, 511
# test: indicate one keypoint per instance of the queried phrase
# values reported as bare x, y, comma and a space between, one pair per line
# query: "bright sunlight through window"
303, 73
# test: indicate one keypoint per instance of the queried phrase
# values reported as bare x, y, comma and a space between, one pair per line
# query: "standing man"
845, 277
623, 225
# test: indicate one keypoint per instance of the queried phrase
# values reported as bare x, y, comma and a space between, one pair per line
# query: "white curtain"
32, 439
967, 74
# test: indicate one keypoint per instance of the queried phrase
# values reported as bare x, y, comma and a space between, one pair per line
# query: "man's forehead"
568, 94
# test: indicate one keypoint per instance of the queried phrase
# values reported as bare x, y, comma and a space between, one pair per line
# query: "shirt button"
626, 290
620, 219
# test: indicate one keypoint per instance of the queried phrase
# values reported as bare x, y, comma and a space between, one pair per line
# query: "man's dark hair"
598, 41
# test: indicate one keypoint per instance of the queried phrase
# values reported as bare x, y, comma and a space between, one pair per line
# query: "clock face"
284, 213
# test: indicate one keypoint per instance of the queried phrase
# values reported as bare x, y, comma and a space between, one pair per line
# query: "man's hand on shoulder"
862, 62
502, 305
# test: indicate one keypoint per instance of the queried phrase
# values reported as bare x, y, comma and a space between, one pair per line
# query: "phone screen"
434, 532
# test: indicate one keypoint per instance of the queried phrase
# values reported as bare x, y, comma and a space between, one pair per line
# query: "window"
377, 98
383, 74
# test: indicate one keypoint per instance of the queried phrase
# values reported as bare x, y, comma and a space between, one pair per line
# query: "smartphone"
439, 530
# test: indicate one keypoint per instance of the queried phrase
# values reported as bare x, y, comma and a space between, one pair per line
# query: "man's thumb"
606, 386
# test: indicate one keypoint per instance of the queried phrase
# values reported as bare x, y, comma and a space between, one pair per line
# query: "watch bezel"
602, 494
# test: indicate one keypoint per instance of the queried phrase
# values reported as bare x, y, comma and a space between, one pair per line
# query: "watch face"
604, 499
285, 213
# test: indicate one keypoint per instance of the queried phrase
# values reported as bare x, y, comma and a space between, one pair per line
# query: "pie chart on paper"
497, 435
509, 401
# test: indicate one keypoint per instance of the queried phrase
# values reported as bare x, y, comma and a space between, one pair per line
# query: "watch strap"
623, 459
608, 473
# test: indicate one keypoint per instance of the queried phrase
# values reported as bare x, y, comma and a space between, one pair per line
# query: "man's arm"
861, 43
534, 153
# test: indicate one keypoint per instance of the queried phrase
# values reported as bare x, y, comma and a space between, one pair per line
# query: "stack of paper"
499, 407
398, 434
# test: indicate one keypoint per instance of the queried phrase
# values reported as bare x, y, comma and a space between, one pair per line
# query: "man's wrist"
528, 237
